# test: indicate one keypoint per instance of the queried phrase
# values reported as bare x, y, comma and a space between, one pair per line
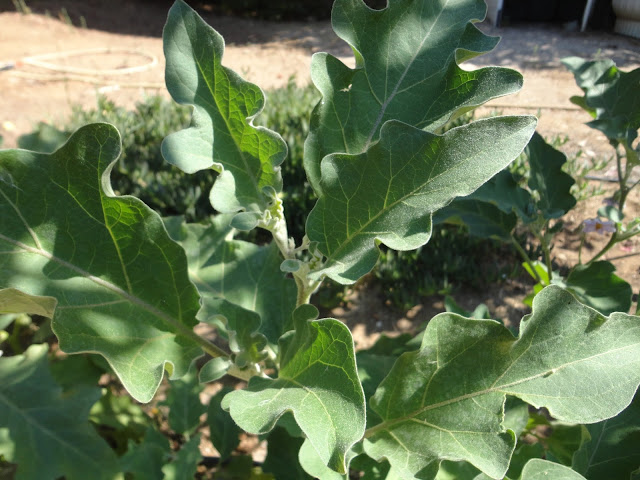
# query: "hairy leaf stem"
546, 251
526, 258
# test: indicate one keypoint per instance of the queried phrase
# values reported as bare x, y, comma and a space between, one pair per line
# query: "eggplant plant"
463, 399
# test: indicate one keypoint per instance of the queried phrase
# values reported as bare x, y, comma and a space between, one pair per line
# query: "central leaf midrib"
389, 99
499, 389
366, 224
102, 283
239, 150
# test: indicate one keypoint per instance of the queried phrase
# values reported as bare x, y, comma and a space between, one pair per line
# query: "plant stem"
526, 258
546, 251
206, 345
623, 178
582, 237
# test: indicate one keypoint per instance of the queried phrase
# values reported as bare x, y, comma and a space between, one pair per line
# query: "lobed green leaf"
547, 178
407, 69
447, 399
239, 272
317, 382
221, 135
389, 193
121, 283
611, 96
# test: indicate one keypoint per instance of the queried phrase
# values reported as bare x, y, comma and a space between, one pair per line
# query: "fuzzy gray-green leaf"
317, 382
447, 399
389, 193
407, 69
538, 469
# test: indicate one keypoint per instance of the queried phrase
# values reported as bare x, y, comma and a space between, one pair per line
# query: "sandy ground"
268, 54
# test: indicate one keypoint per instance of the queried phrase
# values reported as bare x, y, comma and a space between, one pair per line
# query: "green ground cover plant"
125, 289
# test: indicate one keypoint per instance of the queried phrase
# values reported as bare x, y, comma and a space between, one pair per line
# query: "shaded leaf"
375, 363
516, 415
389, 193
612, 97
503, 191
225, 434
15, 301
185, 463
75, 370
370, 469
610, 448
438, 403
243, 273
104, 258
241, 325
313, 465
282, 456
145, 460
481, 311
45, 431
407, 69
317, 382
564, 441
214, 369
119, 419
240, 467
483, 219
597, 286
457, 471
523, 453
183, 400
45, 139
547, 178
221, 135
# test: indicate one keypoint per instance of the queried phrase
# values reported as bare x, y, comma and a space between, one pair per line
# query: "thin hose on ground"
87, 75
